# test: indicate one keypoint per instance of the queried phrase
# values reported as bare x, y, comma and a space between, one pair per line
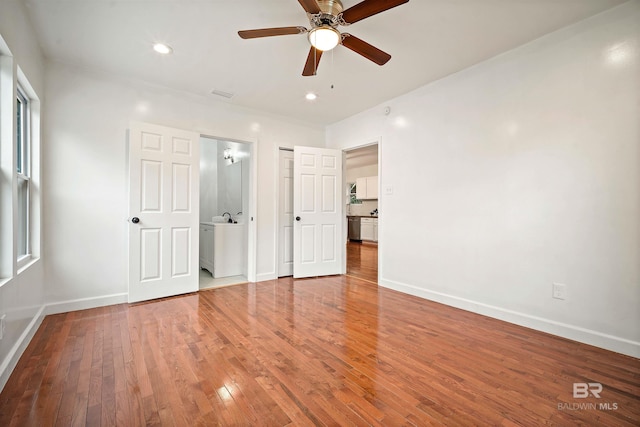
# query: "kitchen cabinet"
372, 187
375, 230
369, 229
367, 188
206, 247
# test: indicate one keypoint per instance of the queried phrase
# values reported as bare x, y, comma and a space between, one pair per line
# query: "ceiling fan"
324, 17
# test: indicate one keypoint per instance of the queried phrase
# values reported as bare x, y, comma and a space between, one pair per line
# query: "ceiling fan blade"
313, 59
363, 48
369, 8
311, 6
268, 32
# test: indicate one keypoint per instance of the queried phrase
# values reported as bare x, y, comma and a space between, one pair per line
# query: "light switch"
388, 190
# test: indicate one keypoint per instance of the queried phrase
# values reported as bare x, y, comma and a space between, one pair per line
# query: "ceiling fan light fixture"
324, 37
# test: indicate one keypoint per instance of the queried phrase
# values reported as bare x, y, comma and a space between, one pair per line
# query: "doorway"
362, 190
224, 212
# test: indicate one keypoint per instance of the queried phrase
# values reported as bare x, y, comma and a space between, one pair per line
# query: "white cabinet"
372, 187
228, 246
222, 249
369, 229
367, 188
375, 230
206, 247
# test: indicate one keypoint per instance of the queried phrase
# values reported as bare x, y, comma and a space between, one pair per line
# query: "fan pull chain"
332, 67
315, 62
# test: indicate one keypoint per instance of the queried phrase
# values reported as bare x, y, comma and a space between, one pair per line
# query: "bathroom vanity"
222, 248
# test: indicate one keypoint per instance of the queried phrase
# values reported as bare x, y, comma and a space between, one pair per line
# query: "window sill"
26, 262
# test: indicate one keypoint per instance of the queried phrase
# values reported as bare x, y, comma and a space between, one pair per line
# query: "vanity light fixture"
162, 48
227, 155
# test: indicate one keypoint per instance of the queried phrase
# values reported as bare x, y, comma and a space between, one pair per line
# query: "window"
20, 196
23, 169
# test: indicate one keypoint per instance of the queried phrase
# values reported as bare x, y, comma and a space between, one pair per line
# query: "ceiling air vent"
222, 93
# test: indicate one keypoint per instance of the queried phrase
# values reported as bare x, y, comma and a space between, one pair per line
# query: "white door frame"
251, 217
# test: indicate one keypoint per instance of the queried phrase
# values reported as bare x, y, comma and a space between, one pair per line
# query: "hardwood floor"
322, 351
362, 260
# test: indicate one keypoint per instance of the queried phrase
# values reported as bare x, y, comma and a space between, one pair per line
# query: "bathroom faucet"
227, 213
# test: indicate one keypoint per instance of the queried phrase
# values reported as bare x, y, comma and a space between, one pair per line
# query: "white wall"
352, 174
208, 179
230, 179
519, 172
85, 161
21, 296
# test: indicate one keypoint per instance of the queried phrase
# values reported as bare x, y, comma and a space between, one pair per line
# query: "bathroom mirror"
230, 188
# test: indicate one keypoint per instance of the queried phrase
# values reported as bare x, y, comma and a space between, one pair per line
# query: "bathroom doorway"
225, 175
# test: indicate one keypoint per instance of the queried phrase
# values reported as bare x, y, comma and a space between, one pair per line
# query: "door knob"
135, 220
297, 218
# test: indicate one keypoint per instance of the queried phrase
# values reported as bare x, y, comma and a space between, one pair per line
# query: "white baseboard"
266, 276
575, 333
10, 362
85, 303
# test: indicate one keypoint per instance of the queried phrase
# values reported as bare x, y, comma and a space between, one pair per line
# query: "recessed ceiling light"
162, 48
311, 96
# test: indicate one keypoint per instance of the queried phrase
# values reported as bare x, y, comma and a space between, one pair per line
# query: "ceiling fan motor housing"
330, 9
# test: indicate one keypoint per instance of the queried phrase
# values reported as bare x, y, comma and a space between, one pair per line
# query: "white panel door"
317, 198
163, 211
285, 214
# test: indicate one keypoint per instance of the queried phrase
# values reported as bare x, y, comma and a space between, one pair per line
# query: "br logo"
583, 390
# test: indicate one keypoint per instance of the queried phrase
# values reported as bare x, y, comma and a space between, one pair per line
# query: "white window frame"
7, 166
23, 173
14, 83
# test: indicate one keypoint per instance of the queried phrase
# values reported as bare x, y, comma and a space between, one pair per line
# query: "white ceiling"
428, 39
363, 156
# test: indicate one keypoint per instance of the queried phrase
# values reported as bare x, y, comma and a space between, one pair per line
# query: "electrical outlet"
559, 291
2, 322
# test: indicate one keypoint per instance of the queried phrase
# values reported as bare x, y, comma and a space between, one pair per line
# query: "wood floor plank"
320, 351
362, 260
